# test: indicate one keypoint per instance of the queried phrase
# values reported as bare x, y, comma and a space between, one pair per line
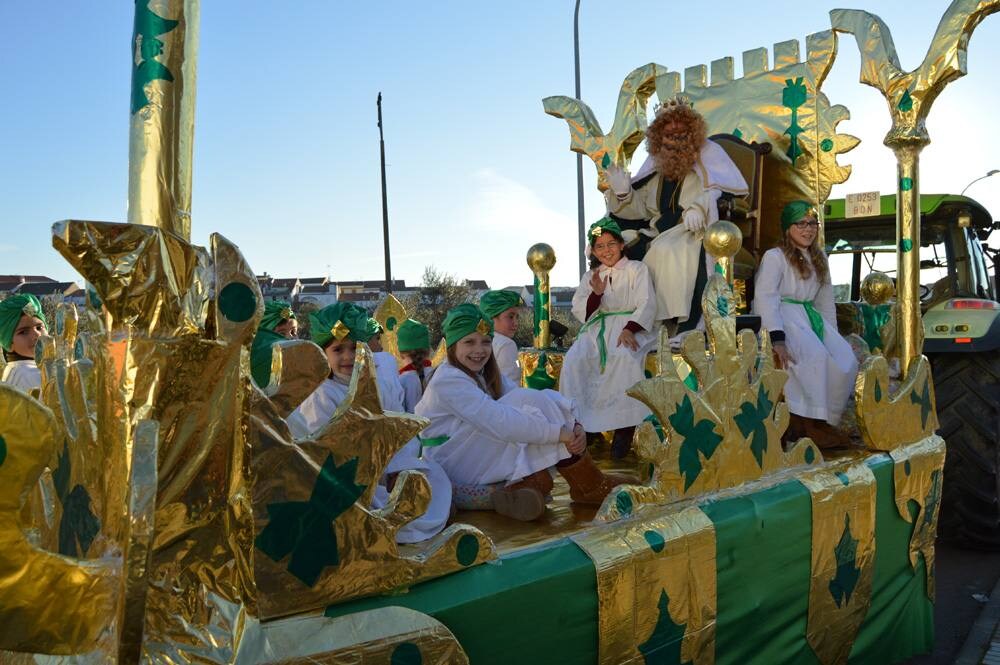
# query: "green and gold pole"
541, 260
910, 326
161, 127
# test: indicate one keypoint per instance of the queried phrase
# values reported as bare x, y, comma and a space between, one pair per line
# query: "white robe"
672, 256
413, 390
821, 378
505, 352
600, 397
390, 388
316, 411
492, 441
23, 375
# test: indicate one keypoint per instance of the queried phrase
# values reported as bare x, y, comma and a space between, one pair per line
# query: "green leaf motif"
826, 145
933, 498
78, 525
737, 133
664, 645
146, 48
305, 529
751, 421
905, 245
924, 400
794, 95
906, 184
606, 160
905, 103
846, 553
699, 438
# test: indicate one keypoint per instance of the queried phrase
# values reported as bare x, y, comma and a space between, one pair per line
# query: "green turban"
495, 303
340, 320
11, 311
795, 211
260, 355
412, 335
464, 320
602, 225
274, 313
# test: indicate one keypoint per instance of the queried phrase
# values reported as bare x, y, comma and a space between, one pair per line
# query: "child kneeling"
338, 329
503, 440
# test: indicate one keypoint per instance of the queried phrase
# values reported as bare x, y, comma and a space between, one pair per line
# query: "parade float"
155, 507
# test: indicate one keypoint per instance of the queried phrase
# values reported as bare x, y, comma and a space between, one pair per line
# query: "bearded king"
671, 200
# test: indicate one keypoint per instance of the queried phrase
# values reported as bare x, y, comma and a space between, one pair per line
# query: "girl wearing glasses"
794, 298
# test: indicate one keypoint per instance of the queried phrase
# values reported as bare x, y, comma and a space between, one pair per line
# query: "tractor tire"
967, 386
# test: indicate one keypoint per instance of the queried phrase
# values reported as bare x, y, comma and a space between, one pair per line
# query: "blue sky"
286, 147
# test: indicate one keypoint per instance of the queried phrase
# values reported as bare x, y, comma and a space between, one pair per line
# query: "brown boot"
796, 429
525, 499
826, 436
621, 445
588, 484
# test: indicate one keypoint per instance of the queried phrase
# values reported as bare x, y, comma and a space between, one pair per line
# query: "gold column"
541, 259
161, 128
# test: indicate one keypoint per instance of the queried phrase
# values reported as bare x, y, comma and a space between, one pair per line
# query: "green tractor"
961, 318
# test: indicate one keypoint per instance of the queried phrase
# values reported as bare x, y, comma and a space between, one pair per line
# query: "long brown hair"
417, 358
490, 372
674, 154
804, 267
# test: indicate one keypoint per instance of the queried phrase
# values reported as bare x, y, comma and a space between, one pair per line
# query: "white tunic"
821, 378
505, 352
672, 256
413, 390
23, 375
600, 396
316, 411
490, 440
390, 389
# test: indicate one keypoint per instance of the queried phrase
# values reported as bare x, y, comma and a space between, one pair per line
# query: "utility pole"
385, 203
581, 217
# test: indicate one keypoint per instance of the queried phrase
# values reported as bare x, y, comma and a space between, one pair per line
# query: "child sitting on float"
616, 303
414, 343
22, 323
338, 329
278, 324
794, 298
503, 440
504, 308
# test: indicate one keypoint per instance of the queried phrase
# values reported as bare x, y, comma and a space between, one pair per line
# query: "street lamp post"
982, 177
581, 218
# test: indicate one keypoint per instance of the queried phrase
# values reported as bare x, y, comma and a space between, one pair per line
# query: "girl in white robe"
794, 298
354, 326
500, 438
414, 344
504, 309
615, 301
22, 323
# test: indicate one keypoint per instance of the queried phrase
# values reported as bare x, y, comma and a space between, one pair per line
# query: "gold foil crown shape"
672, 104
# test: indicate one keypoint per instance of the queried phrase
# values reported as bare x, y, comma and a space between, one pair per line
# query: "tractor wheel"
968, 405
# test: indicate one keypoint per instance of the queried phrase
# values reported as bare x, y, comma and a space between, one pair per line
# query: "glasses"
802, 226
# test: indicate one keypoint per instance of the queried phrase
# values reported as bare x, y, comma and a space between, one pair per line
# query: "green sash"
430, 443
602, 346
815, 318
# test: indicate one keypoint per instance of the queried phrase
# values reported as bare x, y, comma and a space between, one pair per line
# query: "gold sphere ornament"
723, 239
877, 288
541, 257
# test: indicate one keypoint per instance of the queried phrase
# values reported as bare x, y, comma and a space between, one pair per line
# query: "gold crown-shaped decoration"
672, 104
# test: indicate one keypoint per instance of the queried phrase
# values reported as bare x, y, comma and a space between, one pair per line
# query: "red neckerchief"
411, 368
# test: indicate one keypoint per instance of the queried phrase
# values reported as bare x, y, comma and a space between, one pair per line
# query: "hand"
694, 220
627, 338
781, 356
618, 179
597, 285
579, 442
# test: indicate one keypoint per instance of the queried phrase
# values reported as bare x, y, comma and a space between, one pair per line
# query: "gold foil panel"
390, 314
843, 557
888, 420
918, 473
326, 482
656, 587
161, 129
529, 360
440, 353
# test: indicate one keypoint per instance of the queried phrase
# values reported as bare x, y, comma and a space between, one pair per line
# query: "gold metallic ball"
723, 239
541, 257
877, 288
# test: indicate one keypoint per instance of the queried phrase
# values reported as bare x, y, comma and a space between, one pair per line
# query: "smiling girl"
794, 298
21, 324
616, 304
338, 329
504, 309
503, 439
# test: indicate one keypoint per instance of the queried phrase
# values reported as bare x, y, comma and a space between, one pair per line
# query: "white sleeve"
506, 357
387, 373
412, 390
643, 297
767, 294
497, 420
638, 203
824, 303
581, 296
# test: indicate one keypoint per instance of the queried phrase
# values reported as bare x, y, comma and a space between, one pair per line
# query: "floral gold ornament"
540, 369
890, 420
340, 331
909, 96
390, 314
483, 328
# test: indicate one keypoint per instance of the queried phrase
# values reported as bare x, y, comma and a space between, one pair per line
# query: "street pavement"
965, 581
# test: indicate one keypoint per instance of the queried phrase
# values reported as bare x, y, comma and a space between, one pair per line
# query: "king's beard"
676, 157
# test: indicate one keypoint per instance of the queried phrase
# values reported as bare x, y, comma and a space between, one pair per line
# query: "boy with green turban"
414, 343
22, 323
504, 308
278, 324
